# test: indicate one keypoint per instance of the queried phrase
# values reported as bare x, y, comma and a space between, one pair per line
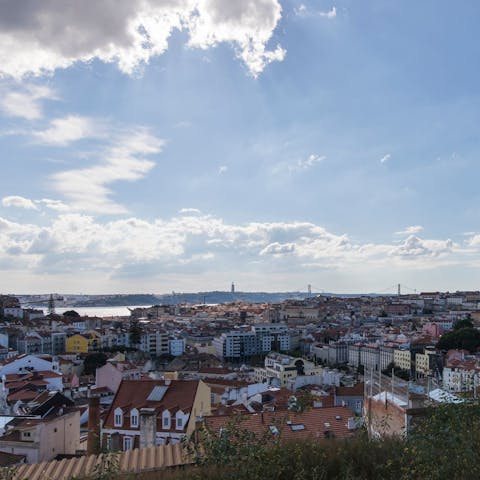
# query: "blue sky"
154, 145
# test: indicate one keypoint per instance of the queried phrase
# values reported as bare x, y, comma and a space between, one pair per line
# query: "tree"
135, 332
93, 361
464, 338
71, 313
465, 323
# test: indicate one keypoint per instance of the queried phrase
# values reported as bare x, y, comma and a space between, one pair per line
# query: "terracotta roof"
8, 459
313, 423
134, 461
22, 395
179, 395
355, 391
216, 371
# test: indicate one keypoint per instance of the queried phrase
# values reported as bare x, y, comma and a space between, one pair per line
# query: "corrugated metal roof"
133, 461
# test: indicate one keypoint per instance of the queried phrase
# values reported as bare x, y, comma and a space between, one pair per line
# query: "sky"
179, 145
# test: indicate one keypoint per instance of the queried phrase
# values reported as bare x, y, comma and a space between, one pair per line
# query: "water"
98, 311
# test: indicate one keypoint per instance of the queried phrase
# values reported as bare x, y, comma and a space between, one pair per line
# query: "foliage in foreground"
446, 445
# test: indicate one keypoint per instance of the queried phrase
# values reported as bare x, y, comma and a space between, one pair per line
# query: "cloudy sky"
159, 145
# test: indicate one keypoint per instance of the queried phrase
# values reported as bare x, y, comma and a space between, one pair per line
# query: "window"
118, 418
134, 418
165, 421
180, 422
127, 443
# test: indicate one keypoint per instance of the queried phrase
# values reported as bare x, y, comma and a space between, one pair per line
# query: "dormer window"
166, 419
118, 417
180, 420
134, 418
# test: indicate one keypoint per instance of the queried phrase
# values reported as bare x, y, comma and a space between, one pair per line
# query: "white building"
16, 312
28, 363
176, 346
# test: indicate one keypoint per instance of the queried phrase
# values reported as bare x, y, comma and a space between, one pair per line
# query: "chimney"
148, 427
93, 439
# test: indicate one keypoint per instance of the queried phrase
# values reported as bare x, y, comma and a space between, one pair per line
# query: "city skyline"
175, 145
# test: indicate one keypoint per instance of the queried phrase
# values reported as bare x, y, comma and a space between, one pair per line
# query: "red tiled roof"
355, 391
179, 395
311, 424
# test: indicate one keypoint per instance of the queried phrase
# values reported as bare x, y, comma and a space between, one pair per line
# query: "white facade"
16, 312
27, 363
456, 379
176, 346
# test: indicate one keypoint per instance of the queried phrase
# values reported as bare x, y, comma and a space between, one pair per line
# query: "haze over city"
151, 146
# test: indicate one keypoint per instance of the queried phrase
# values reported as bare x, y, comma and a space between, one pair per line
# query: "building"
331, 353
351, 397
402, 358
155, 342
235, 345
272, 336
313, 424
280, 369
83, 343
176, 346
112, 374
28, 363
42, 439
168, 409
261, 339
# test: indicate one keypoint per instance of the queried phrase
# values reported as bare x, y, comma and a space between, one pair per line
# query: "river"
98, 311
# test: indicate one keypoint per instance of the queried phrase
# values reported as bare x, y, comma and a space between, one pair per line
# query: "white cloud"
130, 32
25, 101
222, 169
56, 205
332, 13
309, 162
86, 189
411, 230
76, 242
385, 158
277, 248
301, 10
187, 211
300, 165
304, 11
18, 202
69, 129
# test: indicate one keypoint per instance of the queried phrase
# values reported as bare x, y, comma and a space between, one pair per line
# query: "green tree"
135, 331
93, 361
71, 313
464, 338
465, 323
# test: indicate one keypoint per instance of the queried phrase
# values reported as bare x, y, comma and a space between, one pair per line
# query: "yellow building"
83, 343
402, 359
423, 363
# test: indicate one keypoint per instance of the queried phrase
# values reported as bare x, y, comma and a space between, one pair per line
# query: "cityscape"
239, 240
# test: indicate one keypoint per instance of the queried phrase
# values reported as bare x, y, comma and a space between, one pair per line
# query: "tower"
309, 290
51, 305
233, 288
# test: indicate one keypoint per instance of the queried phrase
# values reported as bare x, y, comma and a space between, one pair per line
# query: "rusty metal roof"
134, 461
